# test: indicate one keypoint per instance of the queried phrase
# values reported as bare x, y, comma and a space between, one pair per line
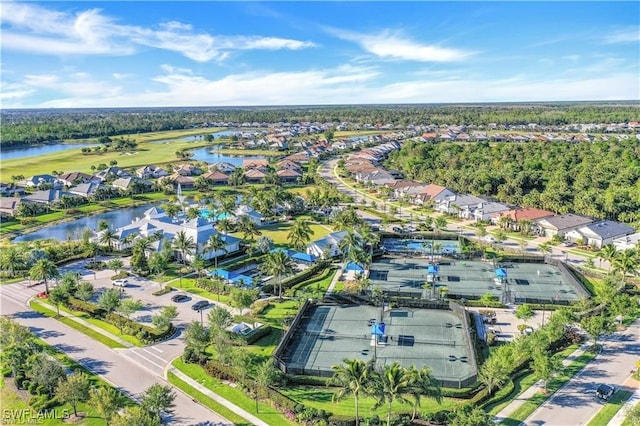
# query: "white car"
489, 239
120, 283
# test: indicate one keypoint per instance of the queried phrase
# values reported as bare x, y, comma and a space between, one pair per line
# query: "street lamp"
201, 321
256, 384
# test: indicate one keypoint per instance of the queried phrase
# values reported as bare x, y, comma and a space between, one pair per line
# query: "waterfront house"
9, 206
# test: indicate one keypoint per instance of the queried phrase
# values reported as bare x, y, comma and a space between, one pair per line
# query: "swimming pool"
420, 247
206, 214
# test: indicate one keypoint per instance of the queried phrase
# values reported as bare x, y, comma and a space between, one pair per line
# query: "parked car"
180, 298
200, 305
568, 243
123, 282
605, 392
490, 239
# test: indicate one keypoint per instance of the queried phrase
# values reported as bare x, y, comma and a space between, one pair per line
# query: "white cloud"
627, 35
340, 85
391, 45
36, 29
121, 76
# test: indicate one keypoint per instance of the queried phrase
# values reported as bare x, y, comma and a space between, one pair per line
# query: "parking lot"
141, 288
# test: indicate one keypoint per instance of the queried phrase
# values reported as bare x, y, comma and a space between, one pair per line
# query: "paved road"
575, 403
132, 370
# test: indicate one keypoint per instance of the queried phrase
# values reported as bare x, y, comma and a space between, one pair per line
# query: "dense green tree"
158, 399
106, 401
73, 390
109, 300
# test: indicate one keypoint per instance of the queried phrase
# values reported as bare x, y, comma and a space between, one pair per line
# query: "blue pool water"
397, 245
205, 213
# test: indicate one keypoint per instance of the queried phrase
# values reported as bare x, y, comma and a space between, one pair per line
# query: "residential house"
85, 190
216, 178
187, 170
186, 182
486, 211
255, 175
518, 214
255, 164
10, 190
223, 167
432, 194
9, 206
37, 180
151, 172
459, 204
560, 225
627, 242
74, 178
130, 183
328, 246
288, 175
289, 165
599, 234
111, 173
156, 222
47, 196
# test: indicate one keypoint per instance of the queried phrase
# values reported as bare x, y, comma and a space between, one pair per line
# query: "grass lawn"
10, 280
171, 134
318, 284
264, 347
263, 152
526, 409
277, 311
320, 398
278, 232
235, 395
610, 409
50, 312
205, 400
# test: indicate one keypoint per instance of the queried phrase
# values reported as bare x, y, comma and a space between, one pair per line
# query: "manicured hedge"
257, 334
298, 278
143, 332
164, 290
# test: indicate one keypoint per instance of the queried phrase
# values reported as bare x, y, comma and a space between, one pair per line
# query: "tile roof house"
111, 173
288, 175
560, 224
254, 175
252, 164
432, 194
187, 170
216, 178
599, 234
223, 167
523, 213
151, 172
74, 178
126, 184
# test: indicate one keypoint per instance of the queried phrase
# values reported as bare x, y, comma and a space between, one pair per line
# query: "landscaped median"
50, 311
266, 412
526, 409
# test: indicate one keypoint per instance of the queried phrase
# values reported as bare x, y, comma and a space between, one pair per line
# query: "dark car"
180, 298
605, 392
200, 305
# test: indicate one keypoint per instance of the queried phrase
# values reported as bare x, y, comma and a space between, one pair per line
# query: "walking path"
334, 281
87, 324
202, 389
537, 387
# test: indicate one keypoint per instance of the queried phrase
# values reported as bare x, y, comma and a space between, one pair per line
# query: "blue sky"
130, 54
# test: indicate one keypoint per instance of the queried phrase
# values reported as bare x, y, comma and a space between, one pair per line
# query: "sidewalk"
334, 281
217, 398
537, 387
88, 325
621, 415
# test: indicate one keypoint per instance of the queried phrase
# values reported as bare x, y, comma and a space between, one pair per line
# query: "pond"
72, 230
36, 151
211, 155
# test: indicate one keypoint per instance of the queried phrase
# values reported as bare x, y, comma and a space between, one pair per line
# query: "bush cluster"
143, 332
164, 290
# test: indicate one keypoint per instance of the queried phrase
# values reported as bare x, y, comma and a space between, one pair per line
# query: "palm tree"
390, 385
625, 262
10, 260
369, 237
277, 263
216, 243
608, 253
352, 378
300, 234
198, 264
248, 227
440, 222
351, 247
225, 225
44, 270
423, 384
108, 237
184, 244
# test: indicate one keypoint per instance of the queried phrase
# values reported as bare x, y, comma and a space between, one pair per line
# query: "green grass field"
610, 409
278, 232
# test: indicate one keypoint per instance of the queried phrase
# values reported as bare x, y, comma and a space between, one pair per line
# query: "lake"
36, 151
209, 155
72, 230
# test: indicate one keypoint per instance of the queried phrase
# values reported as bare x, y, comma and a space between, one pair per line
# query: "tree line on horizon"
23, 127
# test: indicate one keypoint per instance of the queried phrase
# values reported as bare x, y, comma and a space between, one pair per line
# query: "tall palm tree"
216, 243
11, 260
608, 253
440, 223
44, 270
184, 244
369, 237
300, 234
390, 385
277, 263
625, 262
108, 237
352, 378
248, 228
423, 384
351, 247
225, 225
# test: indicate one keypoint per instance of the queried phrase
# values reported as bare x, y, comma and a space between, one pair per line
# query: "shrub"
164, 290
120, 275
90, 308
96, 266
32, 388
308, 380
256, 335
336, 420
